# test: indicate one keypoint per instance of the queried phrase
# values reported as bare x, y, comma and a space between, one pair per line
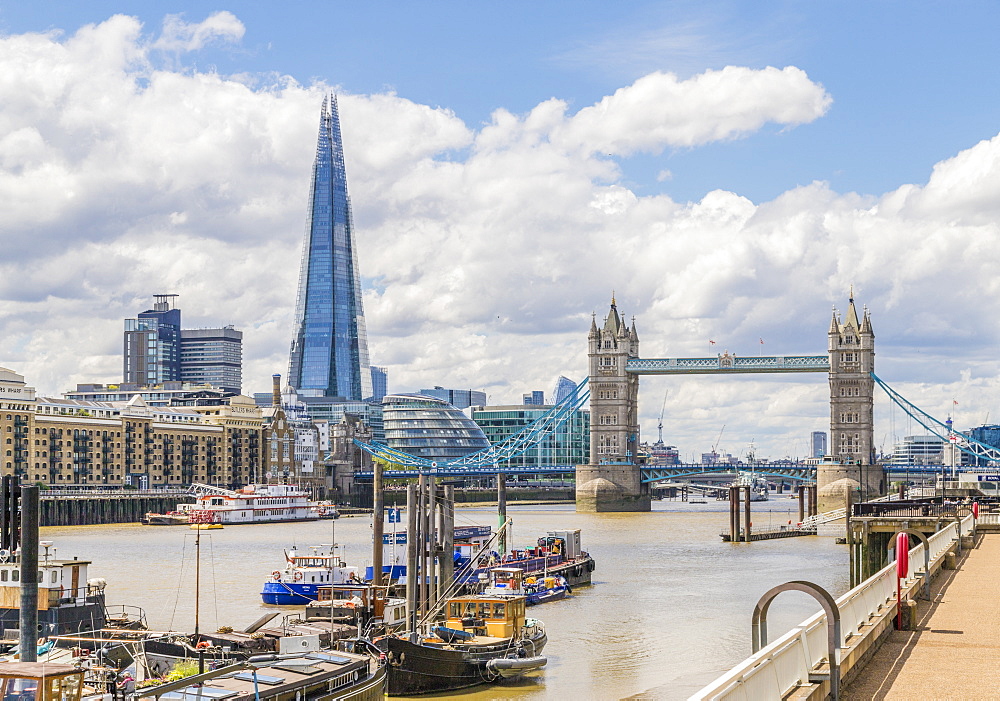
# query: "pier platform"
953, 652
770, 533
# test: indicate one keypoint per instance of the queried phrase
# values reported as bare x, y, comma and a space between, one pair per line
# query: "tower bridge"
613, 482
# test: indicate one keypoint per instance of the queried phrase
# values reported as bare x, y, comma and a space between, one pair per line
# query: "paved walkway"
955, 653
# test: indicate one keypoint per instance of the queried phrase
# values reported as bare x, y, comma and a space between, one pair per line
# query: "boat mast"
412, 578
378, 522
502, 511
197, 595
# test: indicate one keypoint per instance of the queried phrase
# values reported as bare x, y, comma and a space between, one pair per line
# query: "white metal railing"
991, 519
787, 662
835, 515
825, 517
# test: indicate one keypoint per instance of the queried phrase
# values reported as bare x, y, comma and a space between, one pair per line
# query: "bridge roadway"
650, 473
954, 651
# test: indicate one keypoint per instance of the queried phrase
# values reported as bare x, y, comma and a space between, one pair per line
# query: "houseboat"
484, 638
365, 605
557, 554
68, 601
321, 675
36, 681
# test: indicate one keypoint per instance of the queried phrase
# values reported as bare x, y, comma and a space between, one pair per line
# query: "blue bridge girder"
726, 363
650, 473
662, 473
471, 471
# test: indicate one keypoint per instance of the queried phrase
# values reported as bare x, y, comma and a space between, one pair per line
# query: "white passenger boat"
259, 503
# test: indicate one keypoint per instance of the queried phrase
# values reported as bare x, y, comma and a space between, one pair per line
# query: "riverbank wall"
96, 509
124, 507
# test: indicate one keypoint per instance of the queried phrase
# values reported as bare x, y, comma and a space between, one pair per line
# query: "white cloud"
179, 35
658, 110
487, 246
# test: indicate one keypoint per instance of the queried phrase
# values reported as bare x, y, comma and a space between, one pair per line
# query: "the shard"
329, 356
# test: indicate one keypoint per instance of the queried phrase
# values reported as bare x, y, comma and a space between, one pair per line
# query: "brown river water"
668, 612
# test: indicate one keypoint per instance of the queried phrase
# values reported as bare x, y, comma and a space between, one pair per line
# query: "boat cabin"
375, 601
505, 580
34, 681
59, 581
496, 616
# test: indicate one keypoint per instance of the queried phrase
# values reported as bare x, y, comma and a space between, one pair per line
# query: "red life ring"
298, 576
203, 645
276, 575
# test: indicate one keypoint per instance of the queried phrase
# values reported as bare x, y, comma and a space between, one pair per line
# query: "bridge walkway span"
954, 651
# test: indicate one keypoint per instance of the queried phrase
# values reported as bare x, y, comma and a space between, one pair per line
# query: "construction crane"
659, 426
718, 440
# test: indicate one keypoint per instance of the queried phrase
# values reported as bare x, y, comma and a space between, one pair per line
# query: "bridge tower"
850, 464
611, 482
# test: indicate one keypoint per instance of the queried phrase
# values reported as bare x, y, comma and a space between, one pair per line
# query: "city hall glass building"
430, 428
329, 354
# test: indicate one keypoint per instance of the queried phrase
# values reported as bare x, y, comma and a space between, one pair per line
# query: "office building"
158, 351
919, 450
213, 357
564, 387
817, 444
569, 444
165, 394
458, 398
429, 427
152, 344
533, 398
380, 383
329, 352
988, 434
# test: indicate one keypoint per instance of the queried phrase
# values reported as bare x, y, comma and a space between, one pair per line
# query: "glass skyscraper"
152, 345
329, 356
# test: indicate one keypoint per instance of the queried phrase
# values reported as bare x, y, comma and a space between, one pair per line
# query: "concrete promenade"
955, 650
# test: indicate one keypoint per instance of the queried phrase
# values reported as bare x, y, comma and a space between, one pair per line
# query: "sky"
727, 170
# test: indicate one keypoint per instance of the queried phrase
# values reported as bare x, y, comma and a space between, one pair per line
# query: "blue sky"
511, 165
912, 82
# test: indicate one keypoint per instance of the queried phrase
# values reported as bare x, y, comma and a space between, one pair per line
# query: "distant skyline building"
564, 387
919, 450
152, 344
568, 444
380, 383
329, 352
213, 356
533, 398
458, 398
817, 443
156, 350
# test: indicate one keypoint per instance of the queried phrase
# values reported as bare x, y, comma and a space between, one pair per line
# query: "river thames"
668, 612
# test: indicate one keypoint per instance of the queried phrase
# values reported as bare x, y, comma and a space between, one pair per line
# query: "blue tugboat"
298, 583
